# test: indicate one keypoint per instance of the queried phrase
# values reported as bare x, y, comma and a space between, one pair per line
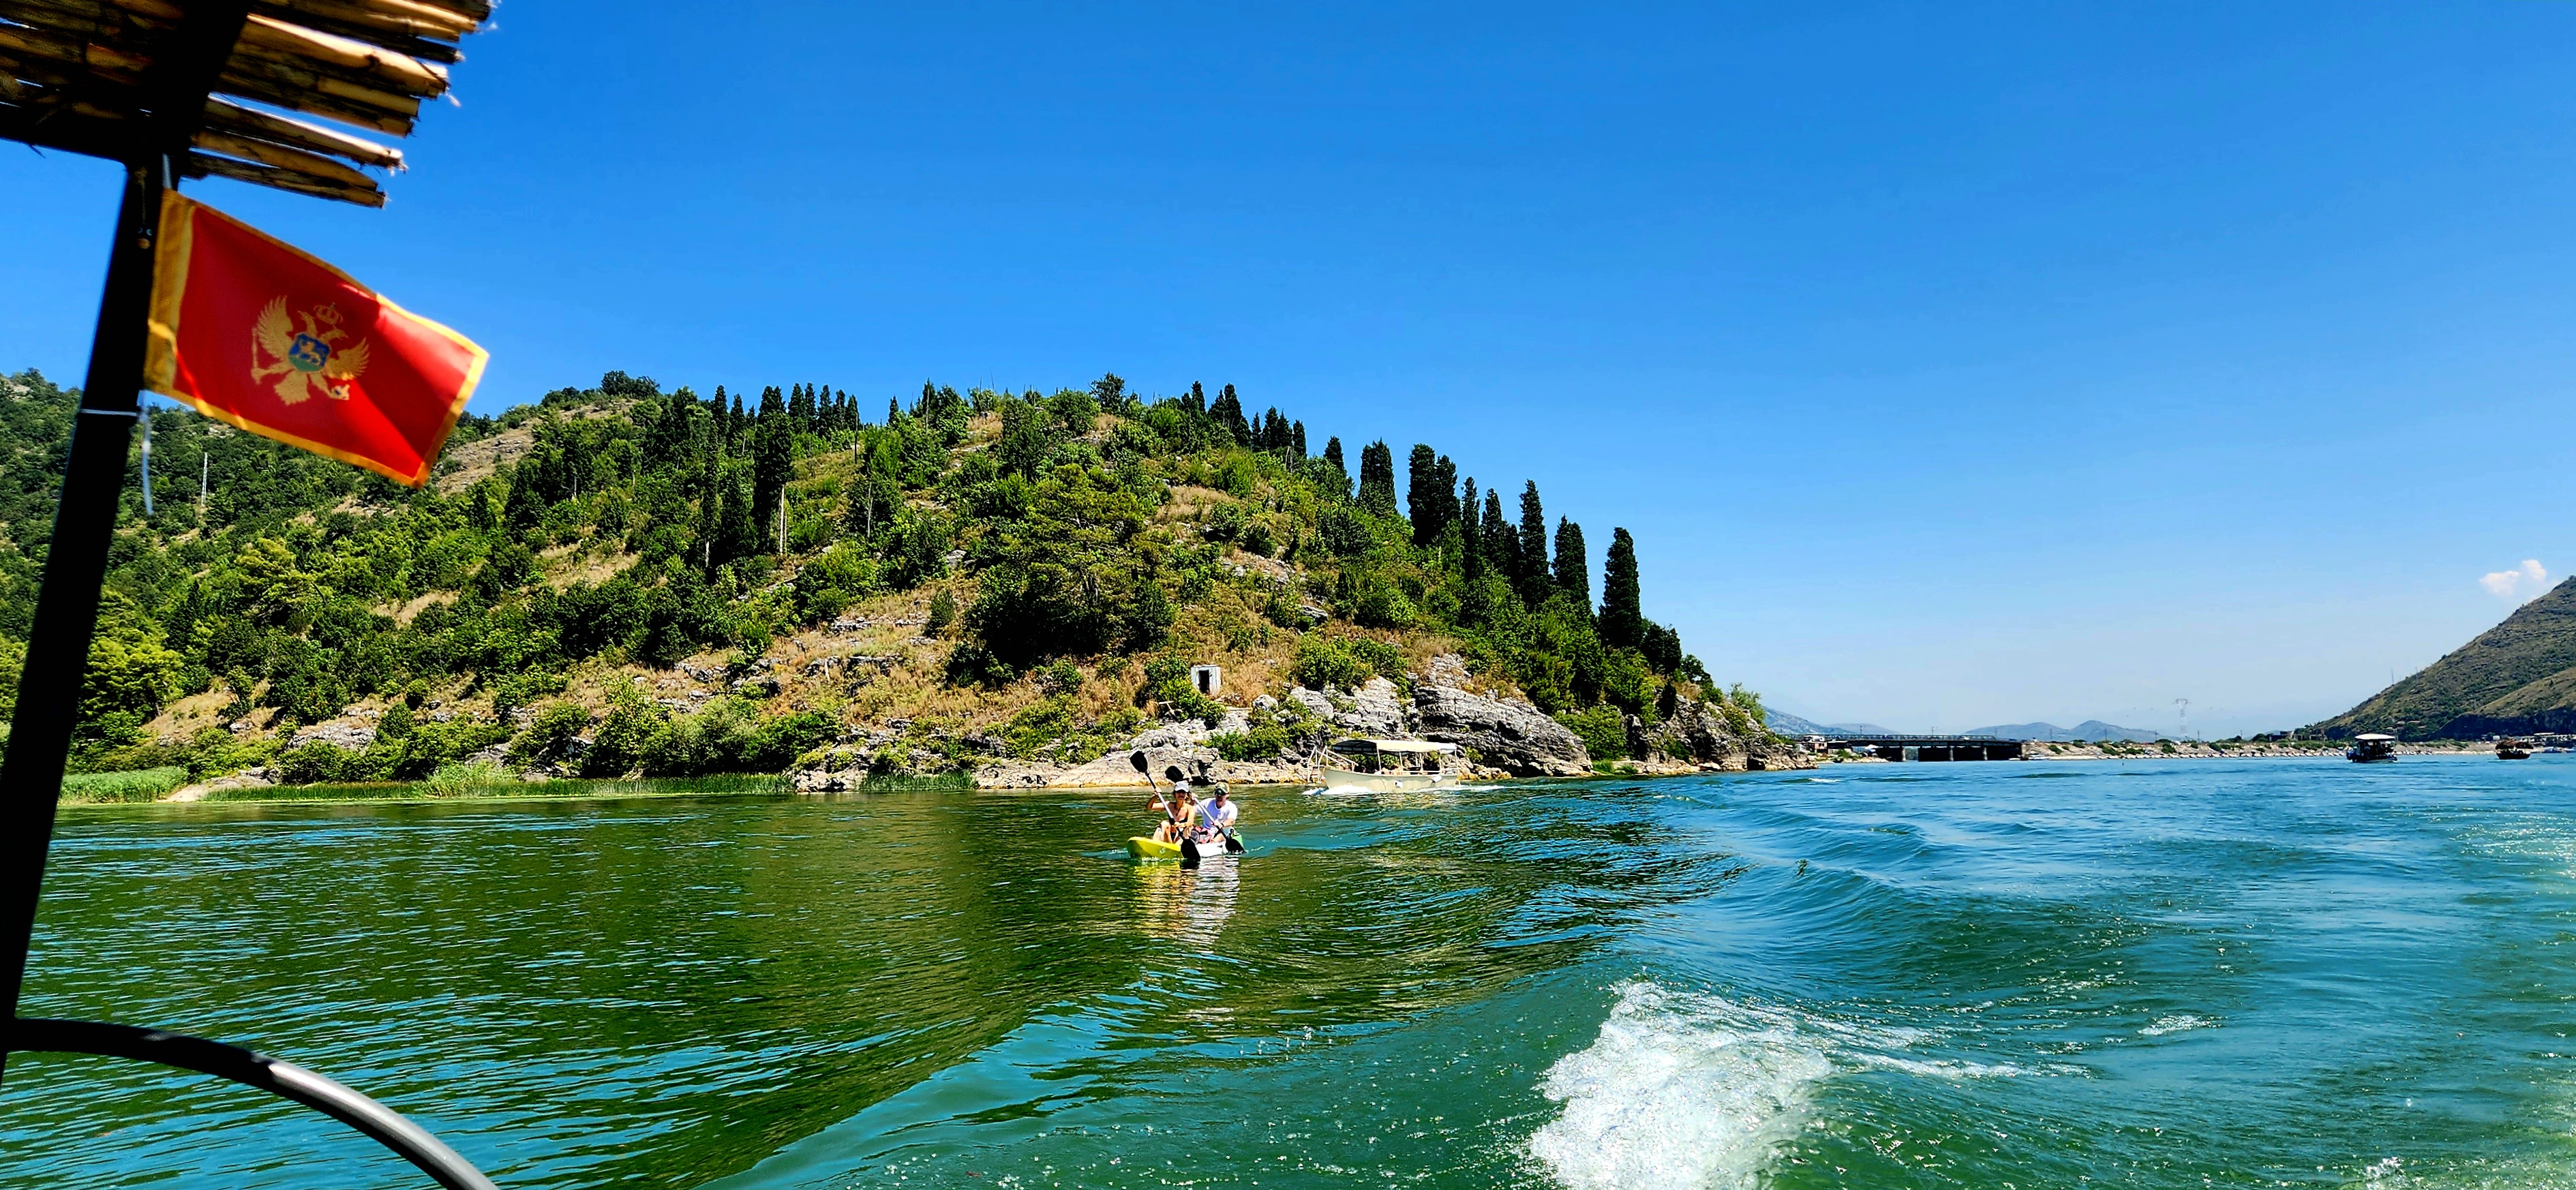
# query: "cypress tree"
1228, 412
1197, 402
1377, 478
1423, 502
735, 423
668, 437
1444, 479
1533, 579
710, 514
1502, 546
1467, 530
740, 535
1573, 570
1333, 455
1297, 441
773, 457
894, 409
1623, 616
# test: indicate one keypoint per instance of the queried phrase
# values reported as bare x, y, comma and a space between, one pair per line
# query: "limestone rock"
1700, 733
1448, 669
1377, 709
1507, 734
345, 734
1115, 770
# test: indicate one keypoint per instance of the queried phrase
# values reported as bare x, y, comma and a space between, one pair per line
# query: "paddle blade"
1137, 759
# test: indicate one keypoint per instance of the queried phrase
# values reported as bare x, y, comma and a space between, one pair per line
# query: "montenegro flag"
254, 332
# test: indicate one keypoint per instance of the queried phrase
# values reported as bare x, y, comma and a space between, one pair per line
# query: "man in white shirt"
1216, 817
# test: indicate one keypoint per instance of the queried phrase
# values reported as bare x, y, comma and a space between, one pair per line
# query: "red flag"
254, 332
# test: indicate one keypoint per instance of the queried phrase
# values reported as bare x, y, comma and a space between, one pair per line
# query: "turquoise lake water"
2154, 974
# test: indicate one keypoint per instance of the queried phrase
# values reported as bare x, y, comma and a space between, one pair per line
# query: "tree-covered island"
619, 580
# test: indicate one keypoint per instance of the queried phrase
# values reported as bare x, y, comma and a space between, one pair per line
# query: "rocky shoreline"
1500, 736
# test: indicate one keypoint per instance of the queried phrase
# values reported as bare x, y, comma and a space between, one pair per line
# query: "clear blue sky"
1954, 364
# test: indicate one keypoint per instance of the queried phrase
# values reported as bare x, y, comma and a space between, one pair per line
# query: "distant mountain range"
2515, 678
1784, 723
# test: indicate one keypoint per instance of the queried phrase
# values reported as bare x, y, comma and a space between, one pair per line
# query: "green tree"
1429, 501
1573, 568
773, 463
1501, 544
1228, 415
1533, 578
1377, 478
1027, 438
738, 533
1623, 618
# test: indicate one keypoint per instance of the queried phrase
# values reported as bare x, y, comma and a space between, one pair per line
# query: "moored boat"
2370, 747
1391, 766
2513, 749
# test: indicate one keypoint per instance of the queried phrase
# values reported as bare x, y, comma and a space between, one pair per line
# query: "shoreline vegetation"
139, 789
167, 787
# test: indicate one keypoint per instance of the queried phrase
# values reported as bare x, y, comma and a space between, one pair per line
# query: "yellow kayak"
1144, 847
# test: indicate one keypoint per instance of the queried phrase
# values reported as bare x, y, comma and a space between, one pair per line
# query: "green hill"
2517, 677
619, 580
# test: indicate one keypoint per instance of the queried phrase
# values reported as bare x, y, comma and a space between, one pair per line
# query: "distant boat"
1391, 766
2371, 747
2511, 749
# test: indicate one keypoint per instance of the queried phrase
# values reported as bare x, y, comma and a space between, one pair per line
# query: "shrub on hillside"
549, 737
1602, 729
315, 763
729, 736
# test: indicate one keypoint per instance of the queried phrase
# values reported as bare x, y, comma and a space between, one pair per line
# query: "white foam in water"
2177, 1023
1678, 1093
1687, 1091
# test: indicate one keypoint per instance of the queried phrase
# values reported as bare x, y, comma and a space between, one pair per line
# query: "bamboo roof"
209, 82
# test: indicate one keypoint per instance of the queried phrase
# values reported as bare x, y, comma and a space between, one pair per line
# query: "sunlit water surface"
1996, 975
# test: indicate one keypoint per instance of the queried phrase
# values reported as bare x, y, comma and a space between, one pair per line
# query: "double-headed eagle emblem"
321, 358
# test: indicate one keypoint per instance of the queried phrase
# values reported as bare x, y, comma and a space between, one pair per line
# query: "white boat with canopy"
1392, 766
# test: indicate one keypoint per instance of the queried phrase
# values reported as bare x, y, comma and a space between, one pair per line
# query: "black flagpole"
49, 688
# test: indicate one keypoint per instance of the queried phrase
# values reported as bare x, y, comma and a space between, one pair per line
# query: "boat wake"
1687, 1091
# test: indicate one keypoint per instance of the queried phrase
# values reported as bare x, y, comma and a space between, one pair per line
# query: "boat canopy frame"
1395, 747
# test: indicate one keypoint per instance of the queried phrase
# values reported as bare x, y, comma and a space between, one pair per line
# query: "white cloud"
2520, 584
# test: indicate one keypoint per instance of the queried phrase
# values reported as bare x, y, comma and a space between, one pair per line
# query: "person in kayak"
1180, 811
1216, 818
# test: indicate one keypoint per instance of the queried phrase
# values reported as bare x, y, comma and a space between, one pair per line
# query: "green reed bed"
446, 785
135, 785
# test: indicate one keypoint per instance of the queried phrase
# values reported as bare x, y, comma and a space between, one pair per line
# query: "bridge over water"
1921, 747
